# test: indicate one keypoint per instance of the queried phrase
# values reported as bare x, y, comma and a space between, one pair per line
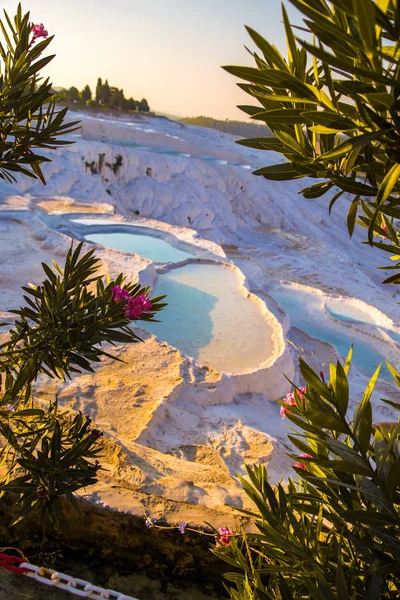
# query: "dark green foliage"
233, 127
61, 330
106, 96
57, 454
73, 95
143, 105
333, 106
65, 322
86, 93
333, 534
116, 97
99, 87
132, 104
29, 120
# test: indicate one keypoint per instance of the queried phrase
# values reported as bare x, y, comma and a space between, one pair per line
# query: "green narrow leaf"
271, 54
289, 141
362, 425
317, 190
313, 380
29, 412
330, 119
280, 172
291, 44
380, 100
354, 187
342, 389
287, 99
335, 197
388, 184
370, 517
348, 360
341, 584
350, 144
365, 16
352, 215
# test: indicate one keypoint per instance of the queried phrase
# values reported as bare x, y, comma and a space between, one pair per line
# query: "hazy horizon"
168, 52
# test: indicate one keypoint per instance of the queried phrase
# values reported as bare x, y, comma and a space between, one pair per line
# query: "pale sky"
168, 51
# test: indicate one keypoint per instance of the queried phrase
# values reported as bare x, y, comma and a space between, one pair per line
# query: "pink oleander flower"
136, 306
224, 537
300, 465
119, 294
290, 400
39, 31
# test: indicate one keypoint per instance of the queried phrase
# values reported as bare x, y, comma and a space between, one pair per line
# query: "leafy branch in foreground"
333, 107
29, 120
334, 534
61, 330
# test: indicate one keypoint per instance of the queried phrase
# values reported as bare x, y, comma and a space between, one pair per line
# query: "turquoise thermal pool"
346, 312
147, 246
209, 318
305, 311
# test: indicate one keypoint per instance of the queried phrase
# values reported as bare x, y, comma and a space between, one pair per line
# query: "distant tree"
132, 104
239, 128
116, 98
124, 103
105, 94
143, 105
86, 93
113, 101
73, 94
99, 88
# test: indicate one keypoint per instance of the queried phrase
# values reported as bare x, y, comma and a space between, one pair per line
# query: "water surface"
208, 318
147, 246
306, 312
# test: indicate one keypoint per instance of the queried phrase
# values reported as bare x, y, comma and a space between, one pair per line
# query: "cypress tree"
99, 88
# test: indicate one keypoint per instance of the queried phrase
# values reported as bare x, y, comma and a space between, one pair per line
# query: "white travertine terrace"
176, 427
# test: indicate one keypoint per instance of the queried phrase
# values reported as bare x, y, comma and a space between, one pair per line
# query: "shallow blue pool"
147, 246
345, 312
210, 319
305, 313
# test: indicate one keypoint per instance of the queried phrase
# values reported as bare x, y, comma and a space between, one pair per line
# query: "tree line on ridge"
105, 96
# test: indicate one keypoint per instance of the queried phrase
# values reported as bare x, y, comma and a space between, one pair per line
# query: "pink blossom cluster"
290, 400
39, 31
135, 306
300, 465
224, 537
119, 294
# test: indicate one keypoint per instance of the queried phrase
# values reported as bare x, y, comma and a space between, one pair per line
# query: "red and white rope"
55, 579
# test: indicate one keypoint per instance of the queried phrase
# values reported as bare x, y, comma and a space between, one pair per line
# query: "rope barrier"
55, 579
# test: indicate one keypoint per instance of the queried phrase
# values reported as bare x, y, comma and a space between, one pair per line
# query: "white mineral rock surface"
178, 428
